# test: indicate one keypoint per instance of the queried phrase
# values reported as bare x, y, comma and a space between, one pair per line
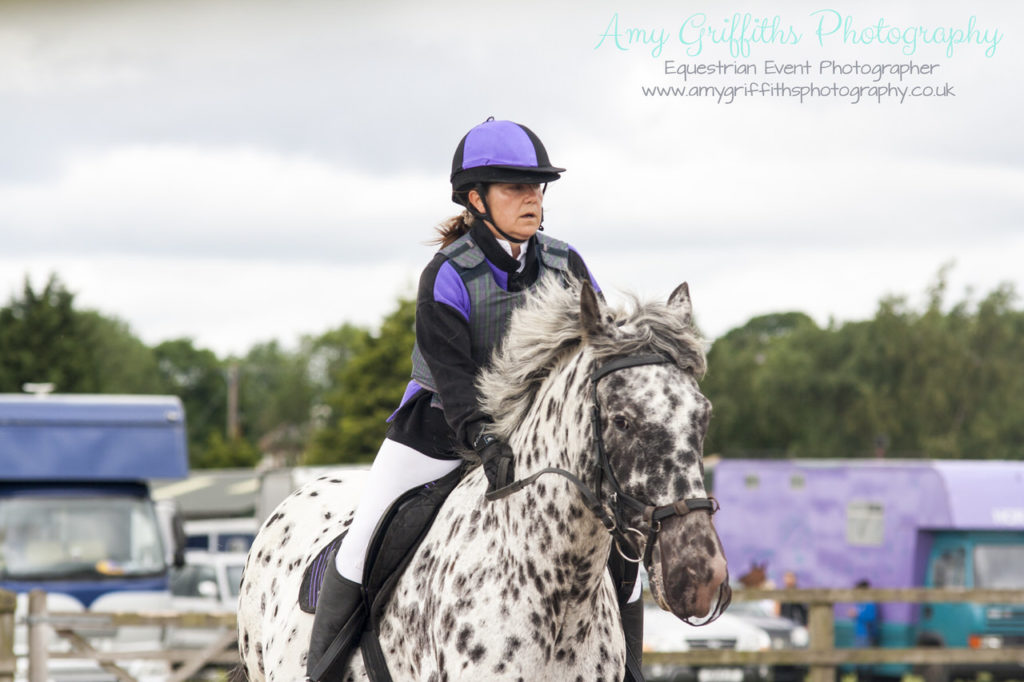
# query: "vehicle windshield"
235, 579
999, 566
58, 538
755, 609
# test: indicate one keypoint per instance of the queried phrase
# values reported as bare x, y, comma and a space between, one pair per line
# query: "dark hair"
453, 228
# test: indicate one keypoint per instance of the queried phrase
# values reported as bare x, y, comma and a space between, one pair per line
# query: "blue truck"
76, 515
894, 523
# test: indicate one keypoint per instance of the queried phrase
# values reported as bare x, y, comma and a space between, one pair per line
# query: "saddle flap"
313, 578
399, 532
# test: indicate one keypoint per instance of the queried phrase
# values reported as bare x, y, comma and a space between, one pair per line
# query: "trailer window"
53, 538
865, 524
999, 566
949, 569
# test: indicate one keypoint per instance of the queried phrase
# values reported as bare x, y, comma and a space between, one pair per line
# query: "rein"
615, 522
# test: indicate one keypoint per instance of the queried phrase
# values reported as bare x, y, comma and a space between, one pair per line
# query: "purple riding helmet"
498, 151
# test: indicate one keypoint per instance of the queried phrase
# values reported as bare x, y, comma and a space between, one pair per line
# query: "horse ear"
590, 311
680, 298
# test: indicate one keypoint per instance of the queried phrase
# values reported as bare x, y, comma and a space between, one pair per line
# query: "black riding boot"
340, 614
633, 627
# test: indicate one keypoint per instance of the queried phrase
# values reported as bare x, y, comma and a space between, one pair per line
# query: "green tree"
219, 453
368, 387
943, 381
39, 340
735, 378
196, 376
120, 362
276, 395
43, 338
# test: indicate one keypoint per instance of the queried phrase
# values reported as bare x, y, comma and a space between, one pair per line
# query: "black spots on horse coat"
710, 546
464, 645
554, 407
454, 528
681, 487
512, 645
447, 625
616, 383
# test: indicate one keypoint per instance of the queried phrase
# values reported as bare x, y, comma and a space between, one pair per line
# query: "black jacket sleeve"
442, 333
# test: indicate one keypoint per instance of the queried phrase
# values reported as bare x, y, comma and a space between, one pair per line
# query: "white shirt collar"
522, 251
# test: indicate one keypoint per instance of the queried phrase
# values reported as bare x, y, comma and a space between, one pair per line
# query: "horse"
604, 414
756, 577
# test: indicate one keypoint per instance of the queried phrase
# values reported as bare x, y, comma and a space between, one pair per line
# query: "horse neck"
549, 518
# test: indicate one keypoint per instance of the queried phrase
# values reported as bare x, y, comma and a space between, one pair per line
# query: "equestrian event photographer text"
829, 27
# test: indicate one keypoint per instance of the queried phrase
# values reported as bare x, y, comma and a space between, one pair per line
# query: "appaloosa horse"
603, 411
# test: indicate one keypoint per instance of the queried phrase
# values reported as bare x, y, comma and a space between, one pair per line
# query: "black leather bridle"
615, 522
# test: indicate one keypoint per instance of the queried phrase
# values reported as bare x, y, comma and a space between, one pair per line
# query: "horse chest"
511, 598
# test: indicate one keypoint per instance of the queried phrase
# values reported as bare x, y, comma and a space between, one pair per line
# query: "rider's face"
516, 208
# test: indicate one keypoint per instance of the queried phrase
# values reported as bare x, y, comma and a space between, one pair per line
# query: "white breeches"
396, 468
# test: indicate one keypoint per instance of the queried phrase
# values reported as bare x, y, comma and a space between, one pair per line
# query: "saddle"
399, 532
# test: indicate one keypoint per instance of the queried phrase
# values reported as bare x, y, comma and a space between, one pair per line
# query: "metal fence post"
821, 624
38, 637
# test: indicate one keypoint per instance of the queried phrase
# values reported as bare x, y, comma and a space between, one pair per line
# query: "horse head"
652, 419
567, 357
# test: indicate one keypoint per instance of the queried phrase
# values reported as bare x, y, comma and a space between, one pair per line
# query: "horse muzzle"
688, 571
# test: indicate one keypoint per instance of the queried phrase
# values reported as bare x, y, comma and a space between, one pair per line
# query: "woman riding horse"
491, 256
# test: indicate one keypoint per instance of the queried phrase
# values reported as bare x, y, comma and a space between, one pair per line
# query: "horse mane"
546, 330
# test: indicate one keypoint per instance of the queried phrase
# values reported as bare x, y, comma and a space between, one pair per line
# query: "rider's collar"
499, 252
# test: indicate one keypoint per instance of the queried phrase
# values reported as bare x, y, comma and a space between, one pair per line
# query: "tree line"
945, 380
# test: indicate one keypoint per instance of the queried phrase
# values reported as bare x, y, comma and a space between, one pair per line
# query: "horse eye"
620, 422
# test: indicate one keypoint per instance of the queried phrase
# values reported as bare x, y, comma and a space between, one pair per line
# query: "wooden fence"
8, 664
821, 655
69, 626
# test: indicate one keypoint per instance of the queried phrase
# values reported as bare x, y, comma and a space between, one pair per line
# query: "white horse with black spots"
517, 588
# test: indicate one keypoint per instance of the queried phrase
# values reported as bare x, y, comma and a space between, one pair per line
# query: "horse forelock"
546, 331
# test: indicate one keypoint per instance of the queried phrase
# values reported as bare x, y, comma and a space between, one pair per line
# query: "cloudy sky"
237, 172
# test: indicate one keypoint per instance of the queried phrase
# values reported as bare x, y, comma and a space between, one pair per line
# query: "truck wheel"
934, 672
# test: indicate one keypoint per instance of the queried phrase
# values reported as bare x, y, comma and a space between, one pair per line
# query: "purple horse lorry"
895, 523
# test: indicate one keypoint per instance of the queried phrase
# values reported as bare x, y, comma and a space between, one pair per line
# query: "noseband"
615, 522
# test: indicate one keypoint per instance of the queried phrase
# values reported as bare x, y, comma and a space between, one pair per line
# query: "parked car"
745, 626
784, 633
208, 582
664, 632
221, 535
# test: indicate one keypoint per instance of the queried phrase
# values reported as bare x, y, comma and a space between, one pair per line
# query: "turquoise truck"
898, 523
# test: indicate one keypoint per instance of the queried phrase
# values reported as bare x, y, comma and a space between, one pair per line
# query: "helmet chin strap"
486, 215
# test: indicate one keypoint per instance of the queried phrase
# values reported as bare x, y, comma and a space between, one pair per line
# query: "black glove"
496, 456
